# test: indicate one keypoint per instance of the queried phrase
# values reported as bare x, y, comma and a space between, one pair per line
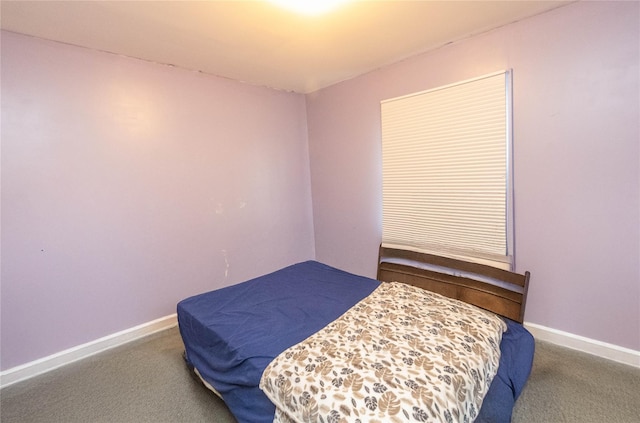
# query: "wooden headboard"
499, 291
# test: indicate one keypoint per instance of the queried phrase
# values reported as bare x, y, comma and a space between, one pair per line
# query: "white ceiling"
259, 43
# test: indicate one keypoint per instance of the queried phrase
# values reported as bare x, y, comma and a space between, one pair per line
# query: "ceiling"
259, 43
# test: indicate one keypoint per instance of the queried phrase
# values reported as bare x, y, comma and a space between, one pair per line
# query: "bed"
253, 343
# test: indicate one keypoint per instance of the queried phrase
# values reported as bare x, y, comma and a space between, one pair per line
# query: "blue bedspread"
232, 334
516, 358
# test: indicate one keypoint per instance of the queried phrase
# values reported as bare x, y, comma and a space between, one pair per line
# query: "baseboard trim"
46, 364
580, 343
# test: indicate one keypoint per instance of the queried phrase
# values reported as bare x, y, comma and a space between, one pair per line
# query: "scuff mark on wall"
226, 263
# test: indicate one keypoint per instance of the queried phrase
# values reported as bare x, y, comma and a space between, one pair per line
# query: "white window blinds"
446, 179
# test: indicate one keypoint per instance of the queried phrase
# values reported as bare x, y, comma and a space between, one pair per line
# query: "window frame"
507, 260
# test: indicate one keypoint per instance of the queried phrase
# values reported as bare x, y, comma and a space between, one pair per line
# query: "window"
447, 180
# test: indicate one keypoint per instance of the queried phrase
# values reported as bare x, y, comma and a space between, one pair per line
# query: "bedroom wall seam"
580, 343
37, 367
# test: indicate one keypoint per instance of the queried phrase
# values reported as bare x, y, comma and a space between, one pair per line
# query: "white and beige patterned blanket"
401, 354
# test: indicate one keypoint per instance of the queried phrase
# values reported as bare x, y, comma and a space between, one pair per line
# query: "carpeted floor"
147, 381
570, 386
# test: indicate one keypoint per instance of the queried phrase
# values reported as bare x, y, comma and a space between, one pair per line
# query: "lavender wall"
577, 180
127, 186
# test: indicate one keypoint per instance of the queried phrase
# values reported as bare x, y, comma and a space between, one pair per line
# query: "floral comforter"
402, 354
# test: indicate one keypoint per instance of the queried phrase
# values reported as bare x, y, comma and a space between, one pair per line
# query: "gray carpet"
147, 381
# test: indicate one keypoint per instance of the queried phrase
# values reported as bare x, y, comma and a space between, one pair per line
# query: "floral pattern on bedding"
401, 354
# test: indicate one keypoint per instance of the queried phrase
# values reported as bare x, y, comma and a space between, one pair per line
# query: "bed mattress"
232, 334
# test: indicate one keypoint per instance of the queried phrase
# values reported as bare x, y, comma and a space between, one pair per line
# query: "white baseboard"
43, 365
580, 343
